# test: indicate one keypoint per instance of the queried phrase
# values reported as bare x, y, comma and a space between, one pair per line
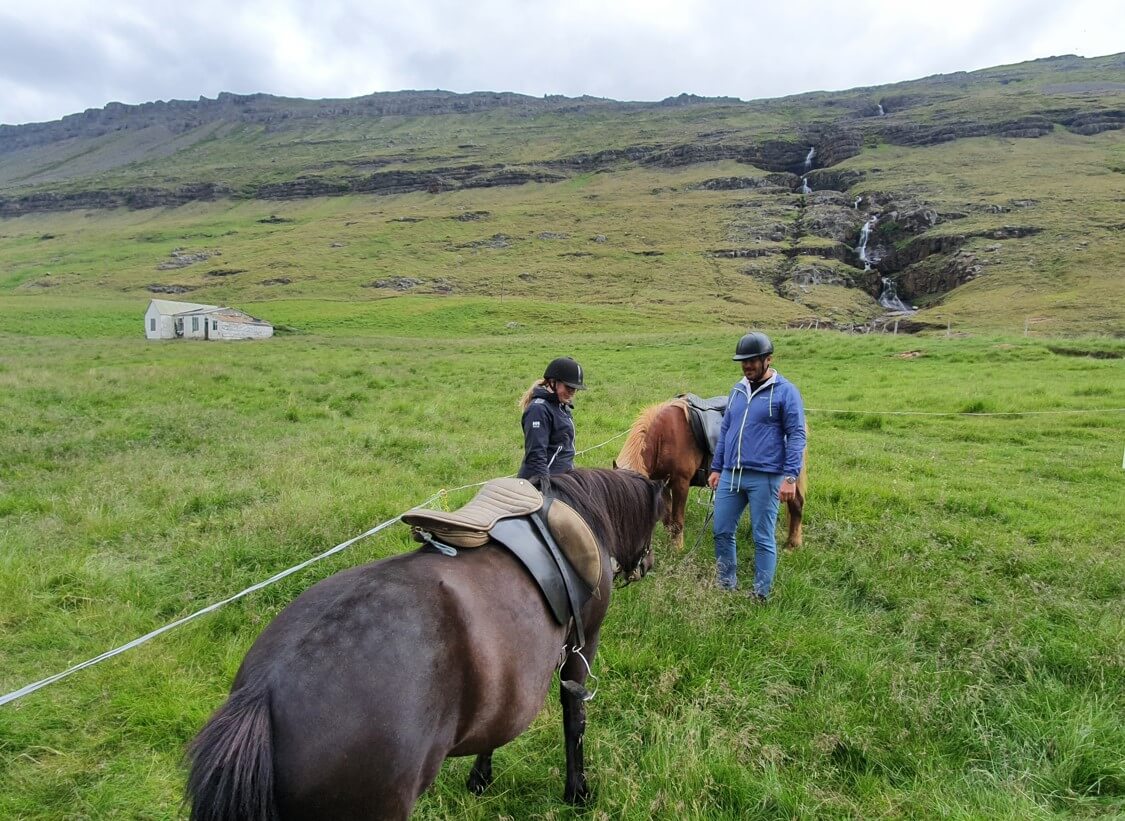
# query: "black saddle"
529, 540
512, 513
706, 417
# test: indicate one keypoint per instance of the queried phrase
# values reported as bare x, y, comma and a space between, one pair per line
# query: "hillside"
992, 200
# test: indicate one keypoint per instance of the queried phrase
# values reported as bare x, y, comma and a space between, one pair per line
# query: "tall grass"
948, 643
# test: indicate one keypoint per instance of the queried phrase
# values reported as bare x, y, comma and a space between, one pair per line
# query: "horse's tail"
232, 761
803, 477
796, 505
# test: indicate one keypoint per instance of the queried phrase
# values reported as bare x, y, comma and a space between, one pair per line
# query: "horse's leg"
796, 508
577, 791
481, 775
680, 486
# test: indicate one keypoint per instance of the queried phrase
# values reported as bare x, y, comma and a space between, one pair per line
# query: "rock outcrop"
125, 198
932, 134
1095, 122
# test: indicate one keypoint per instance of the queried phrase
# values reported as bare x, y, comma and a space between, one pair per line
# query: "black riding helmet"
565, 370
752, 345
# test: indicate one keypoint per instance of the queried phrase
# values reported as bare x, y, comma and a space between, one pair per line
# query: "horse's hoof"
579, 796
477, 783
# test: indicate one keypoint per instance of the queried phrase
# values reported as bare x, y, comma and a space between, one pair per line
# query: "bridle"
623, 577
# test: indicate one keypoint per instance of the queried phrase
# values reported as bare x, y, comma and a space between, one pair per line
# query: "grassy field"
950, 642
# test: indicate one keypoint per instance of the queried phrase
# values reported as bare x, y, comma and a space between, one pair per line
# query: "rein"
706, 520
623, 578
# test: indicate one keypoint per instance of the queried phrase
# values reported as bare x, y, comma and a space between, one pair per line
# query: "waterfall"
858, 200
882, 113
864, 234
805, 186
809, 158
888, 298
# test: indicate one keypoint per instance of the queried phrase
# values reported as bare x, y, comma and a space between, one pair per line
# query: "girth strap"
572, 593
524, 541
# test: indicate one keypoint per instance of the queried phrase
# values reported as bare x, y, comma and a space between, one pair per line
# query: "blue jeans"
737, 488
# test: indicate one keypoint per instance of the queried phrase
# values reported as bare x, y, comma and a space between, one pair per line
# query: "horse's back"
379, 672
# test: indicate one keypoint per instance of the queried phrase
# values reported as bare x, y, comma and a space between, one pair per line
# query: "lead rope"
706, 520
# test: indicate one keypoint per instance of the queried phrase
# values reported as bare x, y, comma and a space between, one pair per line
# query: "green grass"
947, 643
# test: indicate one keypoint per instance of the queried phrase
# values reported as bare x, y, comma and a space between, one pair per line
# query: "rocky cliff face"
179, 116
808, 211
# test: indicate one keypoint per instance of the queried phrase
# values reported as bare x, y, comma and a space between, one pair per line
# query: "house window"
195, 323
152, 324
214, 324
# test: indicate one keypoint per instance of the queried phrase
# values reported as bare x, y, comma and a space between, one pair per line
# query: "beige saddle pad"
469, 526
504, 498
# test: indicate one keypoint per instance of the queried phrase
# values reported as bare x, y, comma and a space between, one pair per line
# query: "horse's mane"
621, 507
632, 454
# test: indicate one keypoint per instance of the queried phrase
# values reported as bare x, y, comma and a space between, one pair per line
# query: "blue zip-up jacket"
762, 431
547, 427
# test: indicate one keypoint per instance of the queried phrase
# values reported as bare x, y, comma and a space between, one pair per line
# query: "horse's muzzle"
642, 568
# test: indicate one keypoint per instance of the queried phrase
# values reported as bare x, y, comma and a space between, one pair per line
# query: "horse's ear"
615, 464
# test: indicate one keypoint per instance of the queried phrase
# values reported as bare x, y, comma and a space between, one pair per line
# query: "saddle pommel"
469, 526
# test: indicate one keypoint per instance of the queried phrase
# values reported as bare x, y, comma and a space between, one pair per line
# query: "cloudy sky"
59, 57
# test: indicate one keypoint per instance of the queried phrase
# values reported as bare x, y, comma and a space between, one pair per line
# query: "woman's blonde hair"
525, 400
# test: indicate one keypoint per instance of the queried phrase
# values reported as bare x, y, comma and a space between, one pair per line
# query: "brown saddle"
469, 526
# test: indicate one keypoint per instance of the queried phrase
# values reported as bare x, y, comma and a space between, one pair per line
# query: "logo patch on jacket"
534, 424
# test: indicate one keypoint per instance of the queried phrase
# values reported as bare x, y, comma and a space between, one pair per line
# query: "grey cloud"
133, 51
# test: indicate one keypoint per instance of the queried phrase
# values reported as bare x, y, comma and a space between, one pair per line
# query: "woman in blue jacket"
757, 461
548, 426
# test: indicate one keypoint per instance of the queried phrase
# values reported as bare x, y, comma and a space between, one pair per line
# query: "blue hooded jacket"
762, 431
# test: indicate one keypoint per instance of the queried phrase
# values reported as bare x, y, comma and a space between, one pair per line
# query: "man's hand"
713, 480
788, 491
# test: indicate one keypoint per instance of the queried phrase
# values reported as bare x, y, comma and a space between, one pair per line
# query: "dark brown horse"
660, 445
349, 701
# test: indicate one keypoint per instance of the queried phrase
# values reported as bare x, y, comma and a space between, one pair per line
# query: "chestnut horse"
660, 445
352, 697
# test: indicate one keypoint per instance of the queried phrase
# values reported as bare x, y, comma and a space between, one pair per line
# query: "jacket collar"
744, 383
541, 392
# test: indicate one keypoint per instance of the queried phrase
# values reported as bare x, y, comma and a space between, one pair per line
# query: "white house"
166, 319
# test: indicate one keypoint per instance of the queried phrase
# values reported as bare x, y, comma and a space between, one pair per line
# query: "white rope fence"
965, 413
31, 688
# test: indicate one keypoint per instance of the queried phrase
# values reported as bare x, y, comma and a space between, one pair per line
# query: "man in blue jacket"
757, 461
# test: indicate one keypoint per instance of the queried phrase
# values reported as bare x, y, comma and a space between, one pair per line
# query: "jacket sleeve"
536, 435
793, 423
721, 445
